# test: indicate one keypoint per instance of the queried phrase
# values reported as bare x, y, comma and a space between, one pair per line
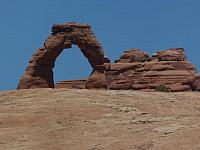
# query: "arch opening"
71, 65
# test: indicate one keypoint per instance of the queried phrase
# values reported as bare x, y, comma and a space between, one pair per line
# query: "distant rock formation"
39, 73
169, 67
135, 69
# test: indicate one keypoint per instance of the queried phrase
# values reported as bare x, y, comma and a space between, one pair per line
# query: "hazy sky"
150, 25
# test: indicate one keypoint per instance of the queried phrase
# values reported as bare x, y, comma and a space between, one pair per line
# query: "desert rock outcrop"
73, 119
39, 73
169, 67
135, 69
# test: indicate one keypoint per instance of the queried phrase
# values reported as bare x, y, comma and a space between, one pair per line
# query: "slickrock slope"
61, 119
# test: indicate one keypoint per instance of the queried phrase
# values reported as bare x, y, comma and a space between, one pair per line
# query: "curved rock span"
39, 72
135, 69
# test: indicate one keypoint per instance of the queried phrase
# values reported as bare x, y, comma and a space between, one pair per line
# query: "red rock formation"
72, 84
169, 67
173, 54
134, 55
135, 69
138, 71
196, 83
39, 72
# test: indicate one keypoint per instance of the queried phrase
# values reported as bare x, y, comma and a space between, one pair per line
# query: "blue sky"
150, 25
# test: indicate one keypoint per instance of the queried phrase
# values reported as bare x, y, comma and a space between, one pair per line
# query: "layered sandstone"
72, 84
135, 69
168, 67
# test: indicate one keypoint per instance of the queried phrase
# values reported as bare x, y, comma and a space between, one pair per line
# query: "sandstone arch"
39, 73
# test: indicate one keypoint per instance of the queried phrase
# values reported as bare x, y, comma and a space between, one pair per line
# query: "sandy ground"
61, 119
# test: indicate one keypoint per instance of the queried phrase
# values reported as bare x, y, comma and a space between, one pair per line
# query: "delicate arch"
39, 73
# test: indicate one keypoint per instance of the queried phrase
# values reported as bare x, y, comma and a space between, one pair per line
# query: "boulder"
196, 82
179, 88
173, 54
133, 55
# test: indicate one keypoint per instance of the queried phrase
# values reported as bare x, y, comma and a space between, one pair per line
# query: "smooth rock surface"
61, 119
